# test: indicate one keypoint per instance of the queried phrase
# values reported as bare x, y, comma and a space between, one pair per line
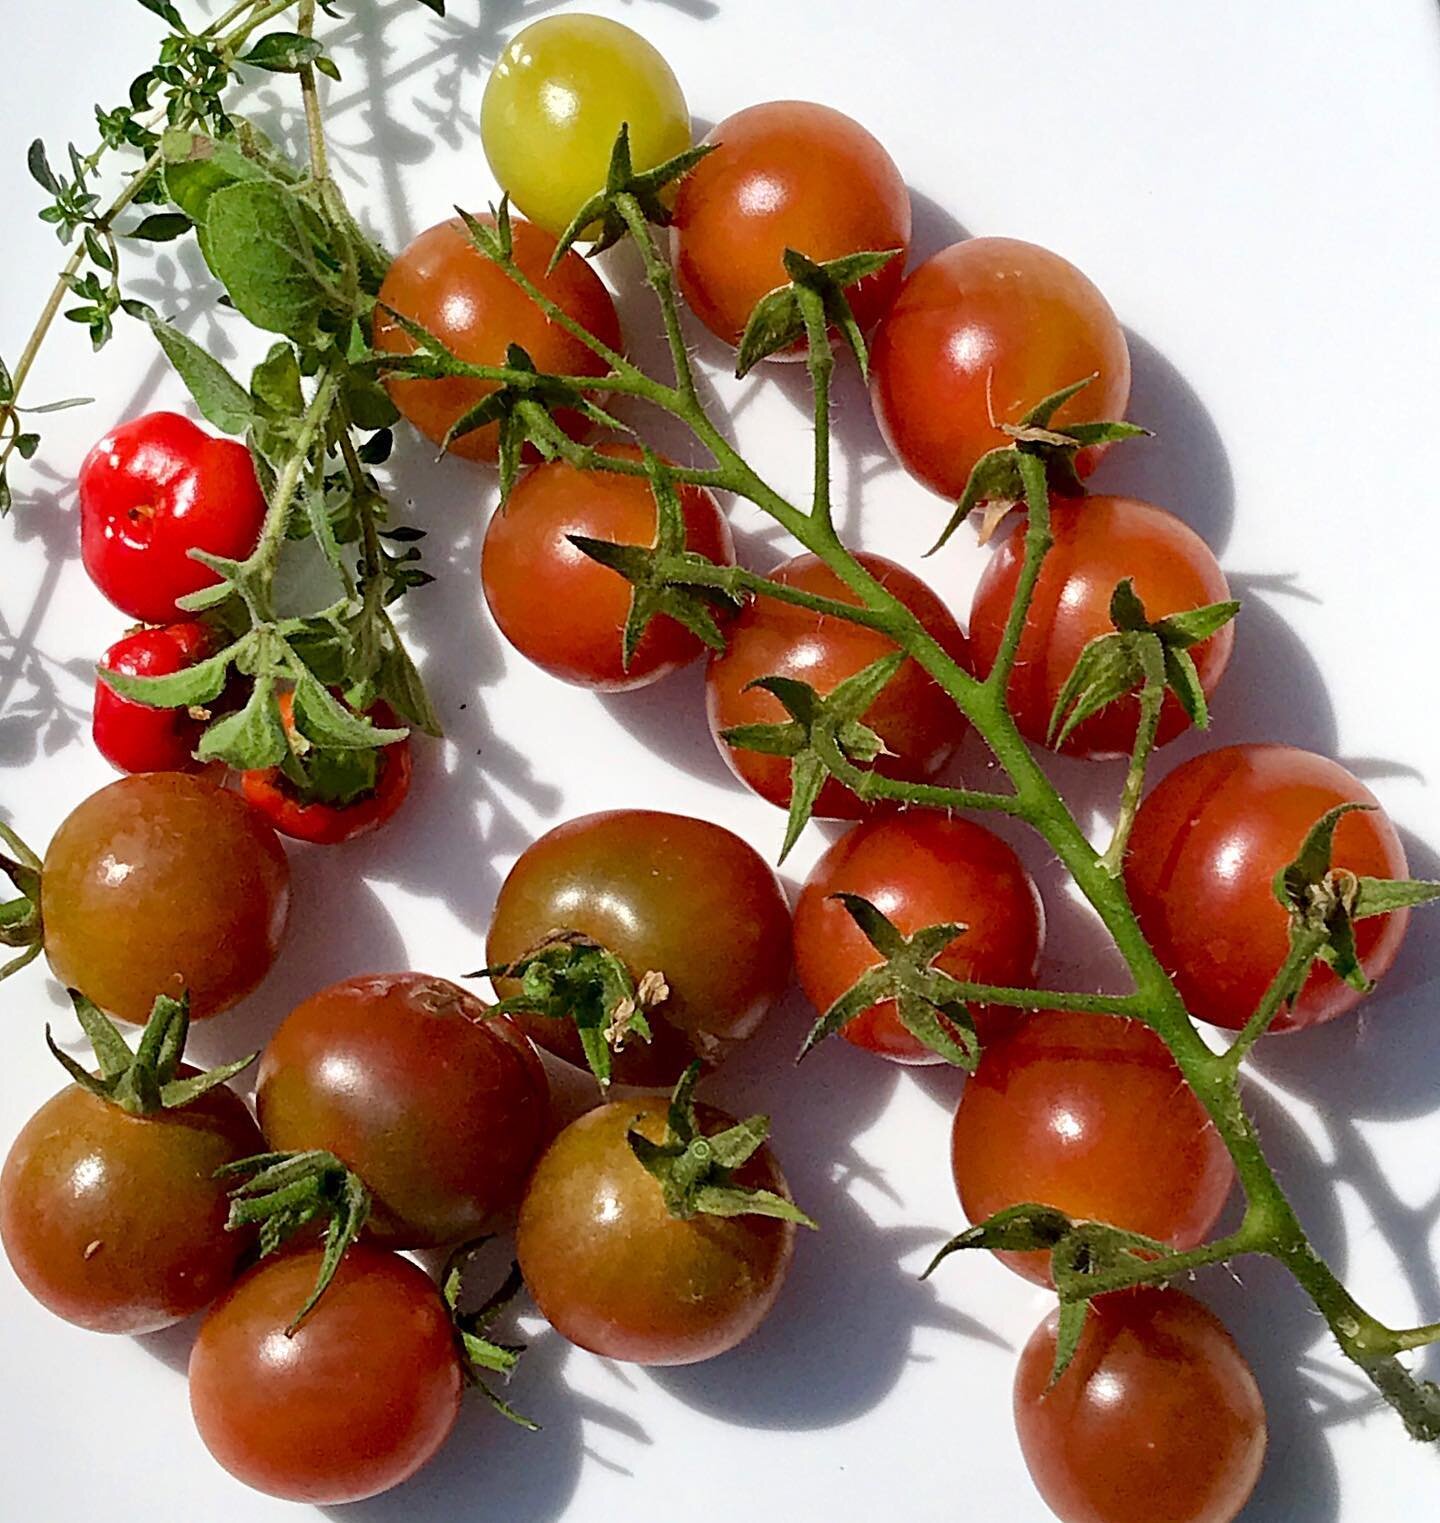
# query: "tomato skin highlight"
615, 1273
1060, 1111
786, 174
917, 722
1158, 1415
439, 1107
152, 490
988, 328
116, 1222
359, 1398
1099, 541
555, 103
566, 612
133, 737
678, 896
444, 283
162, 883
1202, 859
918, 870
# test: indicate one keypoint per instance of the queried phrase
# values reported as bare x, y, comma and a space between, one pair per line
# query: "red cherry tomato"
356, 1400
918, 723
1090, 1115
1099, 541
133, 737
979, 334
324, 822
567, 612
788, 174
153, 490
444, 283
439, 1109
918, 870
1157, 1416
1203, 856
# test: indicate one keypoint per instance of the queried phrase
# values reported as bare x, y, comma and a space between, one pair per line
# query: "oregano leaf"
222, 400
256, 242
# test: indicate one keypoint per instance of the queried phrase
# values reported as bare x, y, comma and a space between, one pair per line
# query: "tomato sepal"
21, 922
478, 1351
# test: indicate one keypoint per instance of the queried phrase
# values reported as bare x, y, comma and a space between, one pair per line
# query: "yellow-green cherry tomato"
556, 102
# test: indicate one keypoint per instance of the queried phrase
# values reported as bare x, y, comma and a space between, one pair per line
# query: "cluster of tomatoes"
652, 1232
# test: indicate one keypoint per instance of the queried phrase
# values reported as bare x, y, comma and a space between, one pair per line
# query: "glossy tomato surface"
1099, 542
918, 870
787, 174
613, 1271
979, 334
440, 1108
565, 611
133, 737
161, 883
355, 1401
920, 726
1090, 1115
1157, 1417
444, 283
116, 1222
1203, 856
681, 897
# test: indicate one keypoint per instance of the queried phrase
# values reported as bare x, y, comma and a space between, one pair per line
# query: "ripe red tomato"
918, 723
1099, 541
1202, 860
918, 870
133, 737
614, 1272
788, 174
439, 1108
151, 491
1158, 1415
161, 883
681, 897
115, 1221
979, 334
567, 612
444, 283
1088, 1114
356, 1400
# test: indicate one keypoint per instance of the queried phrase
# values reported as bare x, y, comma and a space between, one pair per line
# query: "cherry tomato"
161, 883
920, 726
1090, 1115
788, 174
918, 870
614, 1272
153, 490
133, 737
116, 1221
567, 612
444, 283
979, 334
1099, 541
329, 821
1203, 856
439, 1108
681, 897
1158, 1415
555, 103
363, 1393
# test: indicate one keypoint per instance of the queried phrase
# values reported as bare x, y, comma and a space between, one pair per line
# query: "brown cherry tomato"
614, 1272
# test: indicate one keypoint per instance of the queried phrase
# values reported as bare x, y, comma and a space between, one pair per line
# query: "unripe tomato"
132, 736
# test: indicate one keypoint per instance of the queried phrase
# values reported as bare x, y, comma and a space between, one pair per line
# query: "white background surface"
1253, 187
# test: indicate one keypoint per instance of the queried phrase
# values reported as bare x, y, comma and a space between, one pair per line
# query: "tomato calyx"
570, 976
478, 1351
21, 924
695, 1172
930, 1004
818, 730
996, 484
145, 1080
285, 1192
1151, 656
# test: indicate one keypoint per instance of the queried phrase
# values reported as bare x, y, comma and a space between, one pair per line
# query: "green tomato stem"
1152, 703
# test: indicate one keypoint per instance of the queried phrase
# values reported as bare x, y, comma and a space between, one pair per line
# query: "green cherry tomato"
556, 102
